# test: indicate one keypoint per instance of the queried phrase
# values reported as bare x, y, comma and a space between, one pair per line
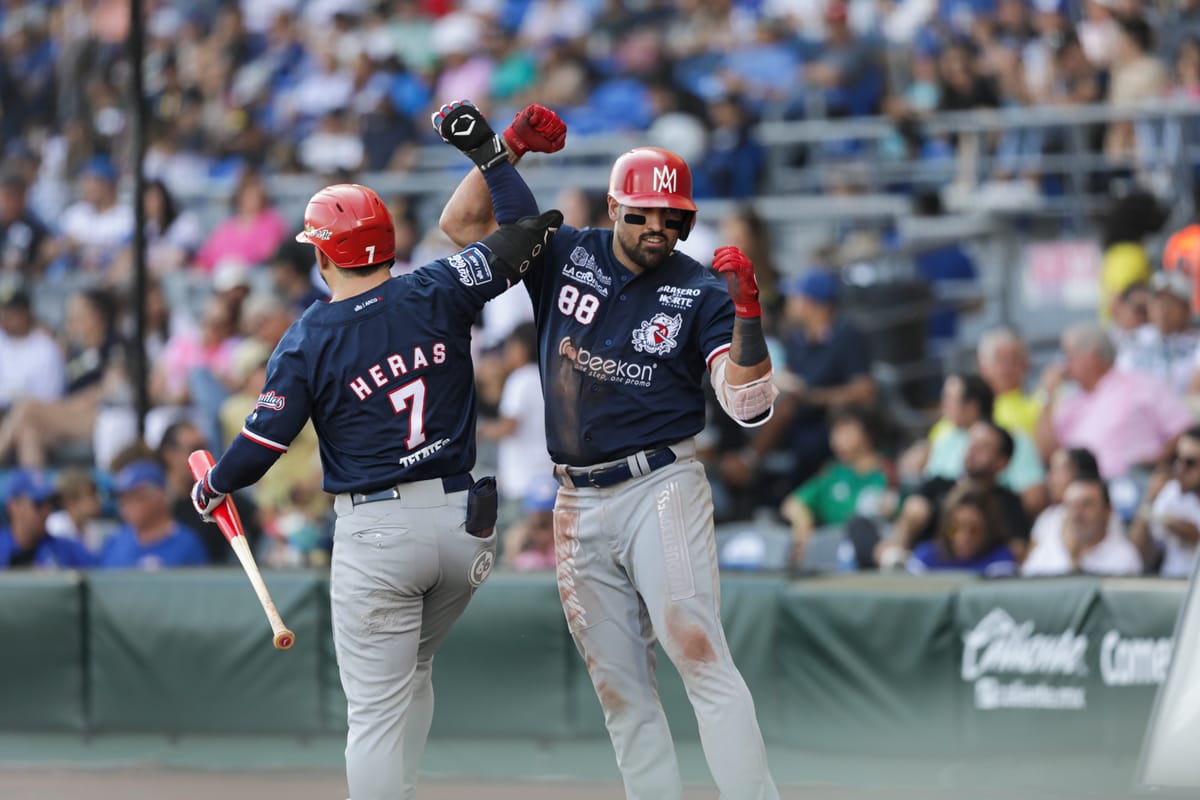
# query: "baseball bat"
227, 519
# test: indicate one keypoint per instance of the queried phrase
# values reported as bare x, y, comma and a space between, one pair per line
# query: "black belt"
454, 483
602, 477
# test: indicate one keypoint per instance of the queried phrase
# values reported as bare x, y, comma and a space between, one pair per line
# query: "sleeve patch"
472, 267
271, 400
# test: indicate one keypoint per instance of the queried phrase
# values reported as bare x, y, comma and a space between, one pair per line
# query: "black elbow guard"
517, 244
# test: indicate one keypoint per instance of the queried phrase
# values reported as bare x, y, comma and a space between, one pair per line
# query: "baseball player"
627, 327
384, 371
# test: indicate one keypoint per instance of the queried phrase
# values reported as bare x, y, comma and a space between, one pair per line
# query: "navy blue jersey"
386, 377
622, 356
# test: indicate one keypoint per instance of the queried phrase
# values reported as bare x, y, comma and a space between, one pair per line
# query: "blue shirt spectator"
25, 541
150, 538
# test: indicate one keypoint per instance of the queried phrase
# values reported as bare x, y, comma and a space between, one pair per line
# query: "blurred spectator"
148, 538
31, 362
1126, 419
1089, 538
1166, 529
950, 272
1073, 79
334, 145
970, 538
734, 162
179, 440
22, 233
853, 483
1137, 76
845, 69
521, 426
1004, 365
529, 542
1130, 314
93, 230
25, 542
196, 366
965, 401
828, 364
989, 450
291, 275
1169, 346
93, 370
1065, 466
173, 235
80, 514
251, 234
962, 87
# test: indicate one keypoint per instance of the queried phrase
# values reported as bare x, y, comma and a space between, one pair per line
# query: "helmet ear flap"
689, 222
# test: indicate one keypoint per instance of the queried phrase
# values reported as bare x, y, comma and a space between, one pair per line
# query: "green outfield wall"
871, 663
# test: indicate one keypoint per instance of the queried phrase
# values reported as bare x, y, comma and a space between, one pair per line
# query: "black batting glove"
464, 126
518, 244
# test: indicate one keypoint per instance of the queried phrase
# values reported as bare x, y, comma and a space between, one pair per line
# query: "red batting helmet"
351, 225
651, 177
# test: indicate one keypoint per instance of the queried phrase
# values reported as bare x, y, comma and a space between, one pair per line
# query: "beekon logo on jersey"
657, 335
270, 400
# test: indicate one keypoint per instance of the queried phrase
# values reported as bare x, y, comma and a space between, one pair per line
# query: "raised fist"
464, 126
518, 244
535, 128
738, 271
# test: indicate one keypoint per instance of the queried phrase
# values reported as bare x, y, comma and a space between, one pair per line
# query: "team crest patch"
481, 567
657, 336
270, 400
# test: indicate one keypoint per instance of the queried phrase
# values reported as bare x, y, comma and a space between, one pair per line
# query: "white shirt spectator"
1178, 556
1049, 524
1113, 555
30, 366
1174, 357
98, 230
523, 459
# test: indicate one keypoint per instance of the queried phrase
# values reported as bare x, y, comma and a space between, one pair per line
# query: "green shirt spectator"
832, 495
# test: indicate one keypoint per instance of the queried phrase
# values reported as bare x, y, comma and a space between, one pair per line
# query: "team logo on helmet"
665, 179
314, 233
657, 336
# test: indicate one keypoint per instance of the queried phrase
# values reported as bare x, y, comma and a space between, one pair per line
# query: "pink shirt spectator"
187, 352
1126, 420
253, 243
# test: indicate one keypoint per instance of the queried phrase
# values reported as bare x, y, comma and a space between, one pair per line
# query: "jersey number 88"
573, 303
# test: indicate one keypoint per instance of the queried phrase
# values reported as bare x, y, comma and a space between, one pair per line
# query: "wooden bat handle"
230, 523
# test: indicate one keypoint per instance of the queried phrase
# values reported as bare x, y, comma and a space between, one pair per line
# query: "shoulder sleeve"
467, 277
286, 401
716, 318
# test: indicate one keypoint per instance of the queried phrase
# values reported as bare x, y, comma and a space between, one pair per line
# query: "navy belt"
603, 477
454, 483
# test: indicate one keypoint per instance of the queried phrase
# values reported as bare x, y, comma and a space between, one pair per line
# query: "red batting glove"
535, 128
739, 279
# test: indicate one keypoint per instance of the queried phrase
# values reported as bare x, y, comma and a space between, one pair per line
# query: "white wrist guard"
750, 404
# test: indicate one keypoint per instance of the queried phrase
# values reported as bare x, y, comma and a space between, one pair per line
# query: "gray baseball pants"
403, 571
638, 561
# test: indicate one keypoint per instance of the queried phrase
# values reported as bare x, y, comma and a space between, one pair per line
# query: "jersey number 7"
416, 410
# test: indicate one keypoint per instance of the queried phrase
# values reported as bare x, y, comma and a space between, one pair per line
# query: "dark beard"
643, 258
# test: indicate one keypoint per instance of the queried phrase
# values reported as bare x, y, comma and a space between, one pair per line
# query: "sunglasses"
640, 219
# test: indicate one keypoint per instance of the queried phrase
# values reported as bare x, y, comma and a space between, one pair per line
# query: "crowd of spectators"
237, 93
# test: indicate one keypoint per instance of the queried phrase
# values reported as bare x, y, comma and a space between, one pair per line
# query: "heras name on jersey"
394, 366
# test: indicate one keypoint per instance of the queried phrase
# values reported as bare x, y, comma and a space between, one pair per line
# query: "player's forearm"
468, 215
242, 465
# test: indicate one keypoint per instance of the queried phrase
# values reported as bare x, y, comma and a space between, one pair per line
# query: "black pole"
137, 350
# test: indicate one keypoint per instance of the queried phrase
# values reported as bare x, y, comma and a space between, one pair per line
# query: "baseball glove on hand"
518, 244
464, 126
535, 128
